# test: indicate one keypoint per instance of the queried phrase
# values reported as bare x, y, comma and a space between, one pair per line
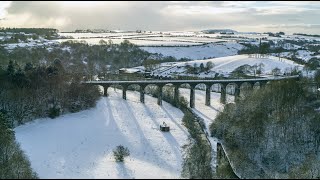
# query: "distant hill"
248, 33
213, 31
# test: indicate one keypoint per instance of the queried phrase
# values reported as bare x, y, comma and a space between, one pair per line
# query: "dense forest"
77, 55
80, 57
48, 33
33, 91
273, 132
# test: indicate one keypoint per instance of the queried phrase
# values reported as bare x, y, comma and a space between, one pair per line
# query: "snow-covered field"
186, 39
225, 65
198, 52
306, 55
180, 44
228, 64
138, 42
90, 35
80, 145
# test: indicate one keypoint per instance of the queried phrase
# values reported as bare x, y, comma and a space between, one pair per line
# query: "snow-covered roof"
131, 70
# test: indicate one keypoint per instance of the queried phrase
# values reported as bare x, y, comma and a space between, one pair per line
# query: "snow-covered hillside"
225, 65
306, 55
80, 145
198, 52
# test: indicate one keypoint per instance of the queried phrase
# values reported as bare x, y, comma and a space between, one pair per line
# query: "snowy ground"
208, 113
80, 145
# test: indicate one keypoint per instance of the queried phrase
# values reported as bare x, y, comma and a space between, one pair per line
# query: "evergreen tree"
28, 67
20, 78
10, 69
317, 76
209, 65
202, 67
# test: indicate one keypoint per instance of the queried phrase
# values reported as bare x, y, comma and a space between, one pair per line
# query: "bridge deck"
189, 81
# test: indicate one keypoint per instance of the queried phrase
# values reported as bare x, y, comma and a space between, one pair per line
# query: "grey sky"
168, 15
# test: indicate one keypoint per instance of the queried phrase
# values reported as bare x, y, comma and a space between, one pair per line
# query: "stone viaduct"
192, 83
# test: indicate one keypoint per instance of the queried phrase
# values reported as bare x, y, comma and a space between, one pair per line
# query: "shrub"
75, 106
54, 112
120, 152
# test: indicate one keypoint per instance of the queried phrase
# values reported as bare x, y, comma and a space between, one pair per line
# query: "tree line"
48, 33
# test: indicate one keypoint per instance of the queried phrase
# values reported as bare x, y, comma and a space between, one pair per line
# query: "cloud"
293, 26
168, 15
3, 6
